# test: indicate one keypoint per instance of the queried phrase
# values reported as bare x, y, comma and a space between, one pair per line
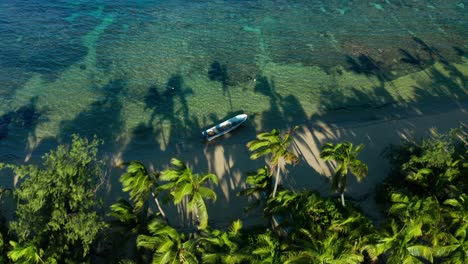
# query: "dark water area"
161, 71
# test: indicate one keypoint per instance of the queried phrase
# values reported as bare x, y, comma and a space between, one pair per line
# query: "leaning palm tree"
140, 184
277, 145
183, 183
346, 157
167, 245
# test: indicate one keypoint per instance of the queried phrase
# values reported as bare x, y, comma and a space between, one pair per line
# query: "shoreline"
228, 157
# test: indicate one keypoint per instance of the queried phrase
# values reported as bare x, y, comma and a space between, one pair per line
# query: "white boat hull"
224, 127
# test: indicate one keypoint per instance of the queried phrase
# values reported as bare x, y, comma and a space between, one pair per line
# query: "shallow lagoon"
149, 76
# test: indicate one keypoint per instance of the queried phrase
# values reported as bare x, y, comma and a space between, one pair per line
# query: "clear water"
157, 72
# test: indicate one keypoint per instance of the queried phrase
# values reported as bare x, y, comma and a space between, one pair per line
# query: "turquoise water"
160, 71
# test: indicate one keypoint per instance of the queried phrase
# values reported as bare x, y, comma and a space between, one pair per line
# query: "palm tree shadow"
219, 73
103, 118
274, 116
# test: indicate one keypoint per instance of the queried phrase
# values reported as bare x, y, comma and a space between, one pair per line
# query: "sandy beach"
228, 157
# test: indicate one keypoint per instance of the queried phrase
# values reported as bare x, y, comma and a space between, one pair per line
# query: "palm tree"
425, 210
400, 244
332, 249
346, 157
267, 248
139, 183
260, 182
28, 254
223, 247
126, 224
167, 245
278, 146
127, 218
260, 186
183, 183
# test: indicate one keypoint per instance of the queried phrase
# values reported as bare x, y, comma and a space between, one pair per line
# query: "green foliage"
167, 245
138, 183
453, 248
56, 208
346, 156
28, 254
427, 202
128, 220
56, 219
432, 166
318, 230
401, 244
223, 247
183, 183
267, 248
260, 183
424, 210
273, 143
276, 144
457, 210
332, 249
260, 188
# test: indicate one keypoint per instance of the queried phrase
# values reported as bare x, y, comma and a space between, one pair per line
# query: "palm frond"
207, 193
260, 153
421, 251
413, 230
181, 191
235, 228
197, 204
148, 242
256, 144
123, 211
358, 148
25, 254
170, 175
359, 169
137, 182
178, 164
209, 176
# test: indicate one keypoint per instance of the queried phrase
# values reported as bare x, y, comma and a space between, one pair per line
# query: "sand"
228, 157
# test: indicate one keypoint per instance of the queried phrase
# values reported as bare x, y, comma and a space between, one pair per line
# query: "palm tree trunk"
159, 207
276, 180
342, 199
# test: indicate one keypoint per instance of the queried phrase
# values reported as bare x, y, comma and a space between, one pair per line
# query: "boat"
224, 127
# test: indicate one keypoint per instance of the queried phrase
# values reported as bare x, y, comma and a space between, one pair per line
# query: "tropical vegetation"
346, 156
58, 216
